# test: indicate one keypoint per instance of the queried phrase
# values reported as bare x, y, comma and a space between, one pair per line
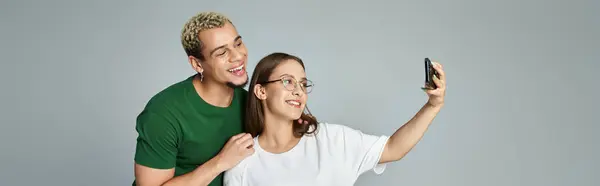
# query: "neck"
213, 93
277, 136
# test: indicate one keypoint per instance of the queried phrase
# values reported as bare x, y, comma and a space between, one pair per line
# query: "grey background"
521, 103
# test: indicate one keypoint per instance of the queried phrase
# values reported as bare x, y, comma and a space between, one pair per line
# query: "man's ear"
259, 92
195, 63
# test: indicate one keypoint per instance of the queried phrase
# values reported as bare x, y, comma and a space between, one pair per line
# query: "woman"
289, 152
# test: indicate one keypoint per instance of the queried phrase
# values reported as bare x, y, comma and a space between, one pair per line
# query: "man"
191, 132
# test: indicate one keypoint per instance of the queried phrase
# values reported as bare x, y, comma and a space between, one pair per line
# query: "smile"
237, 68
294, 103
238, 71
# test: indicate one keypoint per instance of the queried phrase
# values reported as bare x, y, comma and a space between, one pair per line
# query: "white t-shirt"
335, 155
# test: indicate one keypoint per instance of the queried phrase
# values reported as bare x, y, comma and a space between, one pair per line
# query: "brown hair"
254, 110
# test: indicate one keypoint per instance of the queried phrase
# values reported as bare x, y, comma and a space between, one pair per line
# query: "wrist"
217, 163
434, 106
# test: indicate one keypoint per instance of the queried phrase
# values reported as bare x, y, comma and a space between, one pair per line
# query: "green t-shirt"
178, 129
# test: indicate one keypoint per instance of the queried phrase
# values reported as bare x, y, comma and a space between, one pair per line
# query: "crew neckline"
203, 104
300, 142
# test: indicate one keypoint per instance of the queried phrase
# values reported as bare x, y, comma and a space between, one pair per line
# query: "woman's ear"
259, 92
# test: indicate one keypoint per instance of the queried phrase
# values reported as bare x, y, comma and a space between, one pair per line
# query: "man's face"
225, 56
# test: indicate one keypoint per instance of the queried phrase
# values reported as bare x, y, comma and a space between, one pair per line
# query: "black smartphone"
429, 74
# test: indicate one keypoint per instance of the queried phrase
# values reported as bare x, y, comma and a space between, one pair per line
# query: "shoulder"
235, 175
170, 95
158, 108
330, 132
333, 131
240, 168
332, 128
244, 163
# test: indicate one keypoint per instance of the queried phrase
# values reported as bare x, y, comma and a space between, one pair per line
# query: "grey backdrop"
521, 101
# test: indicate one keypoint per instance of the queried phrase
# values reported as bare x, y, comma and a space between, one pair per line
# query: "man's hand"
436, 96
235, 150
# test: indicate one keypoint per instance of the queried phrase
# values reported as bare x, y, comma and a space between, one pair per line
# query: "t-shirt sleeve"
156, 142
361, 150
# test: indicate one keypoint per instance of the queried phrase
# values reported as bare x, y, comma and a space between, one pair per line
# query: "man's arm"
407, 136
156, 153
237, 148
203, 175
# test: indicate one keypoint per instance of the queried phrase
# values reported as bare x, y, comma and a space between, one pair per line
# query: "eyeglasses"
290, 84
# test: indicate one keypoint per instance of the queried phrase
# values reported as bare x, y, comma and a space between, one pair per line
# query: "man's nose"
236, 55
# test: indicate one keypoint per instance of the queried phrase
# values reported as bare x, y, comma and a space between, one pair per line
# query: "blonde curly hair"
192, 28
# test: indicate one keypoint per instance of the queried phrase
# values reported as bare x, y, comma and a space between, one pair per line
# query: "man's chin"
237, 85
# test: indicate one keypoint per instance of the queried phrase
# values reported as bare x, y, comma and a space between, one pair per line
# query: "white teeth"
293, 102
236, 69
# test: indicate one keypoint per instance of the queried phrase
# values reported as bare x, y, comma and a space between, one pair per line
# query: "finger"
430, 91
244, 138
438, 82
440, 71
306, 122
237, 136
247, 144
300, 120
249, 151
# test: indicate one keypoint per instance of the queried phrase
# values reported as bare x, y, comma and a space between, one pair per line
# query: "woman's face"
286, 95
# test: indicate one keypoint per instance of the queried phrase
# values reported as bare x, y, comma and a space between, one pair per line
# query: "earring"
199, 65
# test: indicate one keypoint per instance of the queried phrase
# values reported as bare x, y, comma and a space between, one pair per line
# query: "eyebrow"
304, 78
225, 45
